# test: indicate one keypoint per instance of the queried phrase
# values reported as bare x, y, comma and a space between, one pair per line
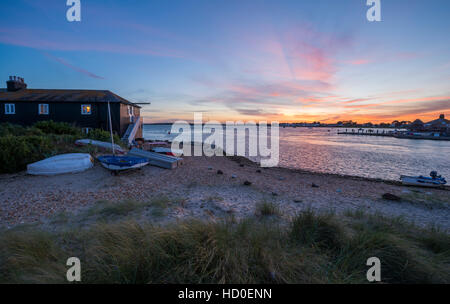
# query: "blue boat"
120, 163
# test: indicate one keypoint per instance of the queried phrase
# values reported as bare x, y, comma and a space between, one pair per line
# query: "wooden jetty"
393, 134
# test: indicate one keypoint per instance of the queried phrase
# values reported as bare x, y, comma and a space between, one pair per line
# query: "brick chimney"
15, 84
442, 116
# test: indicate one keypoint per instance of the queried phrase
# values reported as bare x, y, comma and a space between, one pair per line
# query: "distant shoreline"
334, 127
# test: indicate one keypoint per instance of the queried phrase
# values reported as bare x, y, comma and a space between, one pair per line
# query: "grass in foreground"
267, 209
114, 210
313, 248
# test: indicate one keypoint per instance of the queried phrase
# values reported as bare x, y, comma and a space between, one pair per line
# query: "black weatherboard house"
87, 109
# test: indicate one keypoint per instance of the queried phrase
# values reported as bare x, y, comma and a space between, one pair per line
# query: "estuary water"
323, 150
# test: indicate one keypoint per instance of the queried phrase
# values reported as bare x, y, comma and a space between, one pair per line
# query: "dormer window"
43, 109
86, 109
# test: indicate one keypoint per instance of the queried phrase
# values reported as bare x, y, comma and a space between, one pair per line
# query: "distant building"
440, 124
437, 126
416, 125
87, 109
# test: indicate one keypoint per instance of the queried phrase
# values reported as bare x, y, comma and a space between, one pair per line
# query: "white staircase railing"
131, 131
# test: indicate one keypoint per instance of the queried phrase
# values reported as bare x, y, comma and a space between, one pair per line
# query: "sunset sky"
239, 60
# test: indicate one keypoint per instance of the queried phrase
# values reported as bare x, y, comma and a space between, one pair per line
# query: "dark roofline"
62, 95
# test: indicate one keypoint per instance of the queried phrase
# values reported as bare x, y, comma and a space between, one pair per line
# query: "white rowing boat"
61, 164
101, 144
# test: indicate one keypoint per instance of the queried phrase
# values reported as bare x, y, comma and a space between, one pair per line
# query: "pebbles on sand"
391, 197
29, 199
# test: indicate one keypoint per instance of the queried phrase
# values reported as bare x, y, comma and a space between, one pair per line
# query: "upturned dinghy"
101, 144
120, 163
61, 164
433, 181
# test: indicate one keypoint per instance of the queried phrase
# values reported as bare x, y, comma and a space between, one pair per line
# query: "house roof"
30, 95
441, 122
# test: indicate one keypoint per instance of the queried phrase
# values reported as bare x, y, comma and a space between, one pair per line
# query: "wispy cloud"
60, 41
253, 112
358, 61
397, 109
71, 66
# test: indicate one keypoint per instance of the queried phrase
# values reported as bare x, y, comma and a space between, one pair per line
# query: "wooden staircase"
130, 133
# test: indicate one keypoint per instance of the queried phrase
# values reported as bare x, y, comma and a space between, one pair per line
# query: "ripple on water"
377, 157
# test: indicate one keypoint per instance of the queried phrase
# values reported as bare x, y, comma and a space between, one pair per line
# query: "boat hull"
119, 168
62, 164
121, 163
168, 151
157, 159
100, 144
422, 181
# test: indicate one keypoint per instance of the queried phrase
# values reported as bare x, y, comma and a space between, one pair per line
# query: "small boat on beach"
101, 144
156, 143
61, 164
120, 163
157, 159
168, 151
433, 181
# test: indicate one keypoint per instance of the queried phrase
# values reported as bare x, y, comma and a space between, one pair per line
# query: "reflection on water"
319, 150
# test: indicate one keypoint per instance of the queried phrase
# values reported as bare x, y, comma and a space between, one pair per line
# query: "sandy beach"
196, 190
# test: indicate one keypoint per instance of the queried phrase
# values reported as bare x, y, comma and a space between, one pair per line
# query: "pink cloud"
355, 100
358, 61
317, 99
301, 53
416, 106
313, 63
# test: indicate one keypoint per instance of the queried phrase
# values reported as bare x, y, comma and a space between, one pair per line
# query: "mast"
110, 129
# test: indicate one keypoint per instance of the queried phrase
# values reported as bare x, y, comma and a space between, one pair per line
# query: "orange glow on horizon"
286, 118
330, 108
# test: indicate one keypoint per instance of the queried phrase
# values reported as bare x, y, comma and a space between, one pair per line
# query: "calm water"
320, 150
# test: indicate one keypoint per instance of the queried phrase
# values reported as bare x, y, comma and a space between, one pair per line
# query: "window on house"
43, 109
130, 113
10, 108
86, 109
